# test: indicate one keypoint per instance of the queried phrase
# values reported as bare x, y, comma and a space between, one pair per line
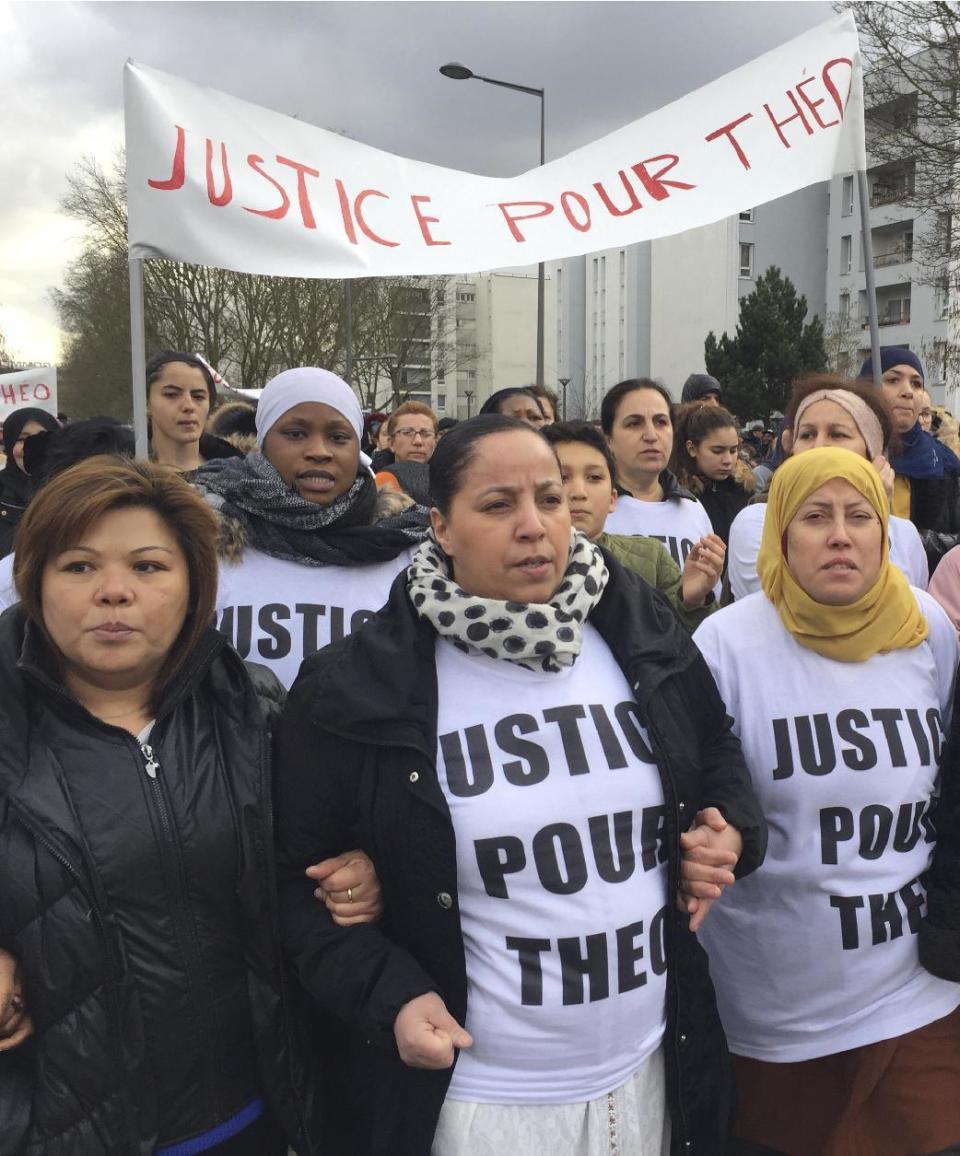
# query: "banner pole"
348, 306
138, 358
871, 284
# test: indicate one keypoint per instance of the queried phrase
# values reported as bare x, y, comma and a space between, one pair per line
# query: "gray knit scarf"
278, 522
543, 636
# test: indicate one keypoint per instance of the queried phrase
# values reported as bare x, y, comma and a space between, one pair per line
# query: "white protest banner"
36, 388
216, 181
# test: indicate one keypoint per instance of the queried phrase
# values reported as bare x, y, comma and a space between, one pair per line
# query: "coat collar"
670, 486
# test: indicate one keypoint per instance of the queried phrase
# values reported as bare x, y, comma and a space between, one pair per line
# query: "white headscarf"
307, 383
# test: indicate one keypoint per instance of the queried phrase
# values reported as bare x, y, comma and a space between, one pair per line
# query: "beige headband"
863, 416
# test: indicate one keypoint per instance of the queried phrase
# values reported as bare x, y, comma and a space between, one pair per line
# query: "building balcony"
889, 194
900, 256
901, 318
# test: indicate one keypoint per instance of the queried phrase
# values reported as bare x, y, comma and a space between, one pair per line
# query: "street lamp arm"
506, 84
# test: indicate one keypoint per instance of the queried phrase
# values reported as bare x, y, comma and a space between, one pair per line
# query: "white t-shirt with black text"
679, 523
816, 951
277, 612
676, 522
558, 812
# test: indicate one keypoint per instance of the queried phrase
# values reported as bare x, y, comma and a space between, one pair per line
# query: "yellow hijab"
885, 618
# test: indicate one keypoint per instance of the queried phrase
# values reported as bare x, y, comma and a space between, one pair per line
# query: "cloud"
370, 69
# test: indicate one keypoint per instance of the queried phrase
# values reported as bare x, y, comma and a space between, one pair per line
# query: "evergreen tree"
771, 347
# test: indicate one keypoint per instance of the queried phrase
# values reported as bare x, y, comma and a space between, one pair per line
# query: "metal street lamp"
468, 394
457, 71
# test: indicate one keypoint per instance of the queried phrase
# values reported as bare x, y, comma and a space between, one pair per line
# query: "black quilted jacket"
83, 1085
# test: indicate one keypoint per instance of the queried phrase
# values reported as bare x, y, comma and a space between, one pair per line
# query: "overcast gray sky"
369, 69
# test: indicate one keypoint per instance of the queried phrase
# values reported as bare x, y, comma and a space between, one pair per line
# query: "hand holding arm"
15, 1022
349, 887
702, 569
709, 852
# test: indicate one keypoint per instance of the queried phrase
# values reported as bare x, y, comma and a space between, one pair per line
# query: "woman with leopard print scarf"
532, 752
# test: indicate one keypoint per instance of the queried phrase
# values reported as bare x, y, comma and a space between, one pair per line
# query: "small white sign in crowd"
28, 387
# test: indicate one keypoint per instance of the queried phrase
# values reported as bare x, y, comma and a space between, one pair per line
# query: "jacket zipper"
113, 972
187, 933
269, 872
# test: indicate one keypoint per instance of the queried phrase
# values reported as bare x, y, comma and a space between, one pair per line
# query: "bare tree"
250, 327
6, 361
842, 338
409, 338
912, 50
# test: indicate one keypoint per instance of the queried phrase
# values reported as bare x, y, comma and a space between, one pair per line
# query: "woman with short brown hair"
101, 486
137, 891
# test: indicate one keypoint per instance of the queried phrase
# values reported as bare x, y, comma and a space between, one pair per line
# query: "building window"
746, 215
937, 365
844, 307
441, 401
746, 260
846, 254
941, 300
846, 197
894, 311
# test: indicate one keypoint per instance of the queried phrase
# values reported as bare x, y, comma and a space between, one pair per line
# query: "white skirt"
629, 1121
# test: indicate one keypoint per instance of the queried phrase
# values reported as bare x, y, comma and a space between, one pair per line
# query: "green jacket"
650, 559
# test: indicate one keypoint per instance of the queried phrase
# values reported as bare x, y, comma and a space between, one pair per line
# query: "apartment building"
645, 310
913, 291
474, 335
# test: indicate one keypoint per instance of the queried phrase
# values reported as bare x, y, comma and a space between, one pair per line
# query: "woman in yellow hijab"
843, 600
839, 678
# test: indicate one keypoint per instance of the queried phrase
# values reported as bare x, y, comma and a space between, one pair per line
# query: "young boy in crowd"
588, 469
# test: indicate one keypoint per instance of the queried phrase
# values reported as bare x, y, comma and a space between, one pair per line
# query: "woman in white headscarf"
826, 410
308, 551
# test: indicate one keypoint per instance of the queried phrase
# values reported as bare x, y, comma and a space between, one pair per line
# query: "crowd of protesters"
380, 785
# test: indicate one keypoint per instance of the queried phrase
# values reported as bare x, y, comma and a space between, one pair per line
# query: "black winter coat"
14, 496
212, 447
356, 751
723, 501
83, 1085
940, 931
935, 511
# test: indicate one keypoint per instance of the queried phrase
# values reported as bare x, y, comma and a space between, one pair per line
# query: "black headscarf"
14, 484
250, 493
